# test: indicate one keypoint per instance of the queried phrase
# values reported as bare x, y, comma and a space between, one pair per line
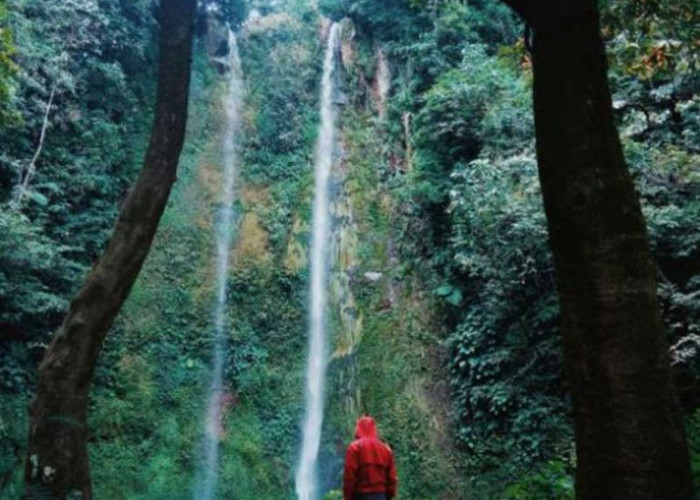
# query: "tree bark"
630, 441
57, 464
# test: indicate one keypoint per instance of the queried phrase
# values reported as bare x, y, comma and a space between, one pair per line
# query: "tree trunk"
57, 460
630, 440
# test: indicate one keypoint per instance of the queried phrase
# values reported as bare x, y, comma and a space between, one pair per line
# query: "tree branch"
27, 174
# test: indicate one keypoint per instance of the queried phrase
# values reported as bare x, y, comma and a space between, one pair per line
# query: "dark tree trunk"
630, 439
57, 464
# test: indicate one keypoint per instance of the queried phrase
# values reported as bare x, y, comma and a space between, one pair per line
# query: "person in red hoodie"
370, 470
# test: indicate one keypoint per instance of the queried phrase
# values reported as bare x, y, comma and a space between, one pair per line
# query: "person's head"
365, 428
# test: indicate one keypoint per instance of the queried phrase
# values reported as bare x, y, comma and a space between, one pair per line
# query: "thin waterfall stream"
205, 485
306, 474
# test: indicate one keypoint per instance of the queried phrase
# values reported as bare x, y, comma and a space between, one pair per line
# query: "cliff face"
388, 359
386, 355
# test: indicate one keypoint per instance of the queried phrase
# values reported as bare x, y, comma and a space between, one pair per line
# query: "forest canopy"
444, 316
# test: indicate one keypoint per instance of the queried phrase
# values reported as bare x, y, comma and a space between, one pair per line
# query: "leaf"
455, 298
38, 198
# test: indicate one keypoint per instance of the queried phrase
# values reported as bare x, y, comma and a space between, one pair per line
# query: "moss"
393, 368
148, 403
252, 243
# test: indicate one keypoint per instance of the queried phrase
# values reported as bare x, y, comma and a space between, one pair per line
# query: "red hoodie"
369, 463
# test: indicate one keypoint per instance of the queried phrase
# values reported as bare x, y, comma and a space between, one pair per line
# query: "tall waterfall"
306, 474
205, 486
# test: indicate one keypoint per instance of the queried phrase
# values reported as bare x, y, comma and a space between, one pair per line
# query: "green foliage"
476, 182
388, 364
235, 11
90, 55
86, 55
447, 210
7, 67
281, 117
475, 214
13, 434
333, 495
96, 57
483, 104
506, 361
693, 436
149, 402
654, 40
35, 277
551, 481
377, 19
280, 50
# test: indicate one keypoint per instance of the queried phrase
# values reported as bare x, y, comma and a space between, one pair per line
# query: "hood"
365, 428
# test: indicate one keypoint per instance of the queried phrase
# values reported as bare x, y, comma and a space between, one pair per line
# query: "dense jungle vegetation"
445, 321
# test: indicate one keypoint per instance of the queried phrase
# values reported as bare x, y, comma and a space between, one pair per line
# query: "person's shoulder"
386, 445
355, 444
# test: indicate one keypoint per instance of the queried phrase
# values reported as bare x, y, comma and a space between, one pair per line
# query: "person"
370, 470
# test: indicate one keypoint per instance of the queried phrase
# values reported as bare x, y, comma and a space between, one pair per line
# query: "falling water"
208, 474
316, 368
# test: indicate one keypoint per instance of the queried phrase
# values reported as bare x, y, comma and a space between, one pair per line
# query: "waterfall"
208, 474
306, 474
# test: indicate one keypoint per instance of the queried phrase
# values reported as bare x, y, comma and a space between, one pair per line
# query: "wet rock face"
217, 40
